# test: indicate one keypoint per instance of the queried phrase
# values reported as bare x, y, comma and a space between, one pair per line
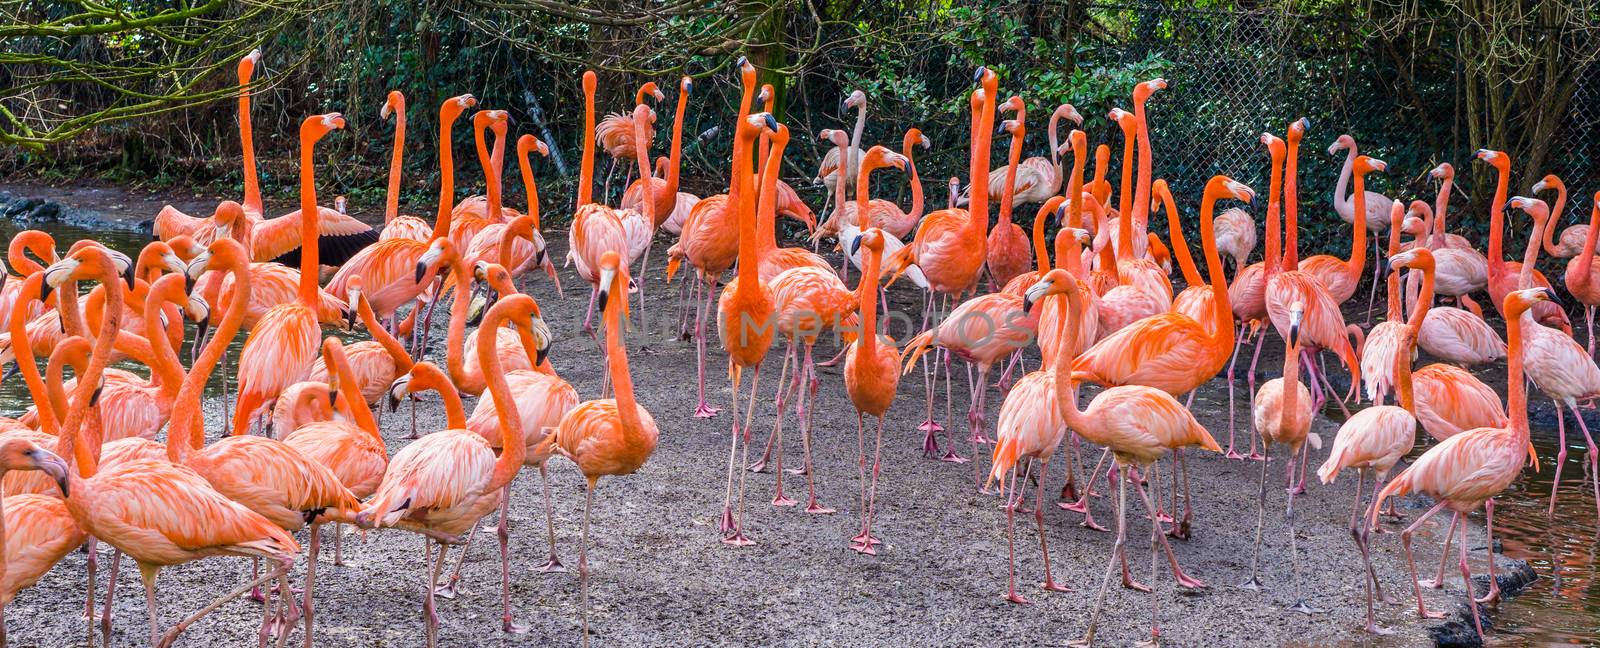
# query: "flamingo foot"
1231, 454
1378, 630
1431, 583
1255, 456
1296, 490
796, 471
1301, 607
818, 509
1492, 596
1080, 506
726, 525
951, 457
1253, 584
868, 547
1052, 586
1179, 531
553, 564
862, 537
930, 445
1089, 523
738, 539
1425, 613
1189, 582
1014, 597
511, 626
1134, 585
757, 465
930, 425
705, 411
780, 500
446, 591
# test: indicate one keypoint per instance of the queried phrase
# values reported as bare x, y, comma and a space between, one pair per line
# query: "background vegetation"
137, 90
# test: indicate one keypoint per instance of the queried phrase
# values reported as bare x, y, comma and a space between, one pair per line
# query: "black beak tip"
772, 122
45, 290
604, 295
855, 246
11, 370
1551, 293
1027, 304
422, 269
540, 355
94, 399
62, 482
977, 76
740, 63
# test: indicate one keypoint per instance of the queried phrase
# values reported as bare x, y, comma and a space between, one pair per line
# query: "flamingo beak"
608, 276
51, 465
398, 391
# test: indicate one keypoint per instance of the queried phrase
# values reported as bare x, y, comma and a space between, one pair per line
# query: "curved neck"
855, 134
426, 375
358, 406
391, 207
1441, 205
1403, 392
512, 453
1419, 311
184, 432
840, 196
1358, 251
1341, 200
1273, 257
1555, 221
252, 183
22, 350
447, 172
1287, 413
1291, 206
867, 294
1041, 253
491, 172
454, 359
309, 225
1516, 386
1222, 308
766, 204
863, 195
1141, 193
676, 156
1066, 390
23, 243
396, 350
1530, 254
1075, 183
1586, 258
1013, 158
916, 182
1180, 245
164, 361
1102, 159
1497, 223
89, 380
641, 144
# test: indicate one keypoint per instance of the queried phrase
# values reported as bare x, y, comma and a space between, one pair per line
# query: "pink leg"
1050, 583
1561, 458
783, 392
1250, 380
1592, 456
867, 541
1466, 577
1444, 556
1405, 541
1494, 579
1011, 541
930, 382
1359, 534
1184, 580
553, 563
1082, 505
1111, 565
702, 409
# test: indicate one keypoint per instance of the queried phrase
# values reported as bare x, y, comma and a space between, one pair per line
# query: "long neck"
358, 406
1530, 255
739, 198
1402, 373
252, 183
89, 380
1102, 159
309, 262
621, 377
1180, 245
1586, 257
1392, 282
767, 204
1041, 253
1291, 390
1066, 390
512, 454
391, 207
916, 183
1075, 184
863, 195
1009, 190
641, 143
184, 432
586, 168
491, 172
1419, 312
676, 156
855, 134
868, 296
22, 349
840, 198
1555, 222
447, 175
1141, 192
1291, 207
1222, 308
1053, 137
978, 205
165, 363
454, 359
1125, 193
396, 350
1273, 258
1358, 252
1516, 386
1341, 200
1497, 223
1441, 205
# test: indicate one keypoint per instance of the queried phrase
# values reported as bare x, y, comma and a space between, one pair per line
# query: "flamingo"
1247, 295
870, 375
596, 228
828, 169
1375, 439
171, 222
665, 190
394, 224
1469, 469
375, 363
1580, 274
476, 212
1571, 238
949, 246
1386, 339
605, 437
883, 214
1504, 275
180, 517
1323, 324
42, 245
745, 310
37, 531
448, 480
1453, 334
1143, 289
616, 135
1138, 424
1007, 246
1236, 236
1555, 362
1360, 208
280, 348
1449, 399
710, 242
1283, 415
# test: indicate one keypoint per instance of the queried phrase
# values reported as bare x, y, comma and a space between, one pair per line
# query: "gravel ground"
660, 576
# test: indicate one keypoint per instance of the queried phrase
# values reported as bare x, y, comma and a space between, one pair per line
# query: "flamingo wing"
339, 238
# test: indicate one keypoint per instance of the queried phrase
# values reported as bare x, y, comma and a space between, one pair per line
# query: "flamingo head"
1496, 159
1536, 208
1417, 258
857, 99
1297, 312
394, 103
1445, 171
1519, 301
1012, 104
22, 454
1297, 129
1343, 143
1366, 165
1549, 182
1055, 282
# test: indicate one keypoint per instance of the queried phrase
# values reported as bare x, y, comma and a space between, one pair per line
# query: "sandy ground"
661, 577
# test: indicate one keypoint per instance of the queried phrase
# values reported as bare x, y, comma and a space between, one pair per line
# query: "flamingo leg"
148, 573
338, 542
1238, 343
1466, 577
738, 538
449, 589
703, 410
1359, 535
553, 564
583, 559
1011, 536
861, 470
111, 593
1184, 580
950, 449
1405, 541
644, 270
588, 316
1588, 315
1111, 565
930, 382
88, 604
508, 622
867, 541
430, 617
1593, 456
1254, 582
1444, 556
1050, 583
311, 580
812, 506
1294, 554
1494, 580
1181, 531
785, 386
1377, 278
1155, 598
1082, 505
1561, 458
1250, 380
976, 418
778, 499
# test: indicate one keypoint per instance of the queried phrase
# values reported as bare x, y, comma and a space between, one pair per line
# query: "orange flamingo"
517, 244
1504, 275
1453, 334
394, 224
883, 214
1007, 246
1038, 178
1555, 362
616, 135
474, 213
1469, 469
283, 344
376, 362
1339, 276
1283, 415
1449, 399
37, 530
180, 517
605, 437
1138, 424
1570, 240
870, 377
448, 480
1362, 209
744, 313
1580, 275
1386, 339
596, 228
665, 189
1375, 439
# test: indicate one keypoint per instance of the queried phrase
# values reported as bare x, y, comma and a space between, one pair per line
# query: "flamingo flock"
303, 446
